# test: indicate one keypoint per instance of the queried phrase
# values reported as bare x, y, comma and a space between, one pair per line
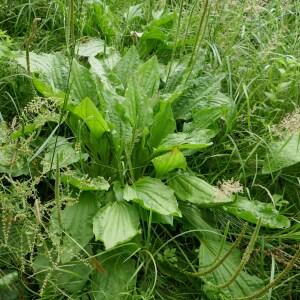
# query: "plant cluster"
138, 166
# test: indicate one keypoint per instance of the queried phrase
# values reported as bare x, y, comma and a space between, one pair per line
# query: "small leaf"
282, 154
168, 162
196, 140
252, 211
84, 183
116, 223
89, 113
152, 194
190, 188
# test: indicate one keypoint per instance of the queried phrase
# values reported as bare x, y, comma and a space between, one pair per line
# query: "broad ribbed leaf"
168, 162
128, 62
163, 124
91, 47
12, 160
77, 222
70, 277
243, 286
38, 122
114, 284
147, 77
195, 140
204, 118
202, 92
101, 19
282, 154
190, 188
83, 182
53, 70
152, 194
90, 114
116, 223
211, 243
142, 87
60, 149
252, 211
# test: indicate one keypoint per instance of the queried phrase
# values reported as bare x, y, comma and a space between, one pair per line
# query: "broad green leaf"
99, 68
116, 223
60, 149
156, 218
190, 188
207, 117
117, 280
244, 285
147, 77
282, 154
252, 211
153, 195
71, 277
202, 92
157, 36
139, 95
129, 61
137, 108
13, 161
77, 221
168, 162
53, 71
49, 92
35, 124
83, 83
195, 140
133, 12
90, 114
8, 279
163, 124
211, 242
83, 182
91, 47
103, 20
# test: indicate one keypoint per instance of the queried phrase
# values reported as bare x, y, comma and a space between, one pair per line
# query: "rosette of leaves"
128, 130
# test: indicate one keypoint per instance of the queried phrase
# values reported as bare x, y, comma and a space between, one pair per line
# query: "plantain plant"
132, 131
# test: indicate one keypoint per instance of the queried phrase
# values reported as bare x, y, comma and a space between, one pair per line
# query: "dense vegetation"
149, 149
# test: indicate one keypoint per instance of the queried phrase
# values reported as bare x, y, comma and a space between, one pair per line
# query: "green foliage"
252, 211
142, 120
190, 188
116, 223
282, 154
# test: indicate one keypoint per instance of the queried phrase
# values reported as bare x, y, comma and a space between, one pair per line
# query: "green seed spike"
276, 280
218, 262
245, 257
